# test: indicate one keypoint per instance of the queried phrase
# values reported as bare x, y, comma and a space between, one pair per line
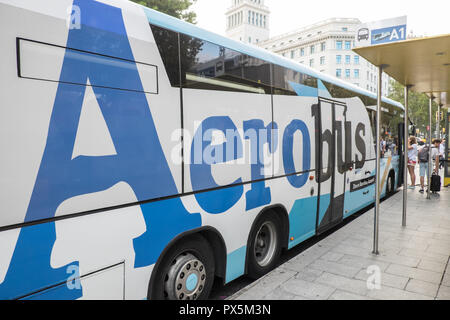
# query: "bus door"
333, 136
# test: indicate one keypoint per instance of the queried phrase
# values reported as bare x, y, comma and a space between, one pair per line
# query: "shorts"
423, 166
411, 163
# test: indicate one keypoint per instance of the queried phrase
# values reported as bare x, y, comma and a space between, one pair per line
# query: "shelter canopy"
423, 63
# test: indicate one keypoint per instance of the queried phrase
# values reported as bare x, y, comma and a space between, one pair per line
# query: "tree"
176, 8
418, 105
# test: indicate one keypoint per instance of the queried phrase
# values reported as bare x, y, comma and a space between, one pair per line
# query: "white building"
248, 21
325, 46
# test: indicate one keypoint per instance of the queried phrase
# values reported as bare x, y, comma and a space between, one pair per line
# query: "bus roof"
174, 24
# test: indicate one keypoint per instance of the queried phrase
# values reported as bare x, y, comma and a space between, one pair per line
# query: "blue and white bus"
143, 157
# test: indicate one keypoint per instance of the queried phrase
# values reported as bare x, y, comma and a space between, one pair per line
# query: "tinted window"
167, 42
282, 78
209, 66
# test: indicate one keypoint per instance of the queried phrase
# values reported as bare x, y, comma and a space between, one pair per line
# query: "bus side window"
167, 42
207, 66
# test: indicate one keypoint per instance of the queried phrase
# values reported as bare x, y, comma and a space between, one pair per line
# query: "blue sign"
389, 34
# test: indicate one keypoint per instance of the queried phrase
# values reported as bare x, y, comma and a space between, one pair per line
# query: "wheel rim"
265, 244
186, 278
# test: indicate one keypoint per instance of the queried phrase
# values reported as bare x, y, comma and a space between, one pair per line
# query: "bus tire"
186, 271
264, 245
390, 185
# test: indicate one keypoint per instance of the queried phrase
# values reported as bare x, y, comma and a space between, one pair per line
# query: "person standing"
412, 160
423, 161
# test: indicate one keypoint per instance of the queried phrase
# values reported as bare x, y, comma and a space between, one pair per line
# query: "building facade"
325, 46
248, 21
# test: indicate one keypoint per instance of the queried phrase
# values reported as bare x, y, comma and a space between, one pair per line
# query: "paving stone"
426, 264
387, 279
443, 293
363, 262
339, 282
334, 267
280, 294
422, 287
437, 257
308, 274
438, 249
415, 273
306, 289
388, 293
332, 256
266, 284
343, 295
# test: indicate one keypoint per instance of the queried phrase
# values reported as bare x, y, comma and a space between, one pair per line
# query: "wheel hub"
265, 244
186, 278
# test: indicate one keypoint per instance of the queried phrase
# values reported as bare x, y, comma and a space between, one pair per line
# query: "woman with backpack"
412, 160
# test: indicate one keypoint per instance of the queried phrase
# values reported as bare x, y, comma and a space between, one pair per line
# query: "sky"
425, 17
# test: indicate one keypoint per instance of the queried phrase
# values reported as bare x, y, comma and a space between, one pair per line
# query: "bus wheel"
390, 185
264, 245
187, 271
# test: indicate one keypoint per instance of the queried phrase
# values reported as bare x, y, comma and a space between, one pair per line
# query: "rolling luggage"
435, 183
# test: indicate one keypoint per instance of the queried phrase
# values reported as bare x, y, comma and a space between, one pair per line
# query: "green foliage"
418, 105
176, 8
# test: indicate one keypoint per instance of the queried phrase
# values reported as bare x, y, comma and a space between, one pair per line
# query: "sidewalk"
413, 262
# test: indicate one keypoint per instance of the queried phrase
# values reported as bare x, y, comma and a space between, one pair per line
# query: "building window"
322, 61
339, 45
338, 59
292, 54
265, 23
311, 62
345, 29
312, 49
367, 75
347, 59
347, 73
323, 46
302, 52
249, 16
253, 17
356, 59
356, 73
249, 39
338, 73
348, 45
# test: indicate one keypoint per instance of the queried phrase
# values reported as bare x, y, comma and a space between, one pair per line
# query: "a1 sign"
390, 34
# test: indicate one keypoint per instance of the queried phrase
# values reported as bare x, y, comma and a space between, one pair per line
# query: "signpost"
384, 31
374, 33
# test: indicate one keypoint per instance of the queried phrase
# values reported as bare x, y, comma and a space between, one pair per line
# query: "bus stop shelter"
421, 65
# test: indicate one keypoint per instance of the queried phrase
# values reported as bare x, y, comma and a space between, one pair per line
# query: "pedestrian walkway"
413, 262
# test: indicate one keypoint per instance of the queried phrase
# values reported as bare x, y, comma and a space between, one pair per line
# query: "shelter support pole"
405, 156
378, 148
438, 122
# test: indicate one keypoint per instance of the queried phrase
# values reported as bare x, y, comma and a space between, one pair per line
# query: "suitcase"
435, 183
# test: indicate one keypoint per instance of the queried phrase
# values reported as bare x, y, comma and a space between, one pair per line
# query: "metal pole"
377, 182
438, 122
405, 156
429, 144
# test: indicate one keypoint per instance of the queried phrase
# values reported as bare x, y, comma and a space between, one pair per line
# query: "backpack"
423, 154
